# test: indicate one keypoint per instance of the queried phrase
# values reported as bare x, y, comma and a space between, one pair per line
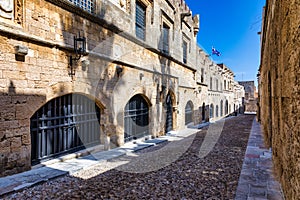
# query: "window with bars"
184, 47
140, 20
87, 5
166, 31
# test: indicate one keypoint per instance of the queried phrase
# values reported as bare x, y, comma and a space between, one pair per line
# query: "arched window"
63, 125
136, 118
217, 111
189, 112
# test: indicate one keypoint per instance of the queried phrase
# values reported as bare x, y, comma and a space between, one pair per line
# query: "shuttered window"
166, 31
87, 5
140, 20
184, 46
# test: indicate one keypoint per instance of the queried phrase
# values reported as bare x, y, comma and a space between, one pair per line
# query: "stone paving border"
257, 180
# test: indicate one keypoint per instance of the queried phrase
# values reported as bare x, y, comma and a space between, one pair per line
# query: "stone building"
250, 96
76, 74
279, 87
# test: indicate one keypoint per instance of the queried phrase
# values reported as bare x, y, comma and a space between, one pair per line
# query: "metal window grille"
166, 31
184, 46
188, 113
63, 125
140, 20
136, 118
87, 5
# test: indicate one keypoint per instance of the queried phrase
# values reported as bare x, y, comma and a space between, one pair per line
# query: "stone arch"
189, 112
136, 117
171, 114
65, 124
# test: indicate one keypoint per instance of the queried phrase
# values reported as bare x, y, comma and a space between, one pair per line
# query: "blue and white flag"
215, 51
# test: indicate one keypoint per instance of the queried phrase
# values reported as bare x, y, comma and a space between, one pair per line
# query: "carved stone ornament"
6, 9
19, 11
128, 6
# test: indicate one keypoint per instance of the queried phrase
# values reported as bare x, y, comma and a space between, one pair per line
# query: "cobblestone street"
215, 176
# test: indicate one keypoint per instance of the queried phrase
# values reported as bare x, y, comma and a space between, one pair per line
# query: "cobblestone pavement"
215, 176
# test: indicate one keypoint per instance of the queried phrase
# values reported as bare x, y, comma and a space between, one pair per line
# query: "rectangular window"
87, 5
140, 20
202, 75
184, 47
210, 84
166, 31
217, 85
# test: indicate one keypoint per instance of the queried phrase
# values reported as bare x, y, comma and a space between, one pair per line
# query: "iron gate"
188, 112
169, 114
136, 118
64, 125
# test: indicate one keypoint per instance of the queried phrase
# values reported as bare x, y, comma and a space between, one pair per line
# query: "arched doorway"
63, 125
189, 112
169, 113
136, 118
211, 111
203, 111
221, 108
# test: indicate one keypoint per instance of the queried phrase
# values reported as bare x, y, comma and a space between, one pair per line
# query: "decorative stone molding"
21, 50
6, 9
128, 6
18, 12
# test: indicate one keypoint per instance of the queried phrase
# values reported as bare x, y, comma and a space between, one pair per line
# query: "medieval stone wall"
279, 88
37, 42
250, 96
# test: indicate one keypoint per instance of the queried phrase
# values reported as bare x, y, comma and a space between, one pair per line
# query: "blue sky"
231, 26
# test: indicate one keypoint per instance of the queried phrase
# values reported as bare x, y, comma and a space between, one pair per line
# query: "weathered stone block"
15, 144
26, 139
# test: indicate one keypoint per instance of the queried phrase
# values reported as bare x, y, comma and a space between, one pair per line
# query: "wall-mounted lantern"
79, 50
20, 52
